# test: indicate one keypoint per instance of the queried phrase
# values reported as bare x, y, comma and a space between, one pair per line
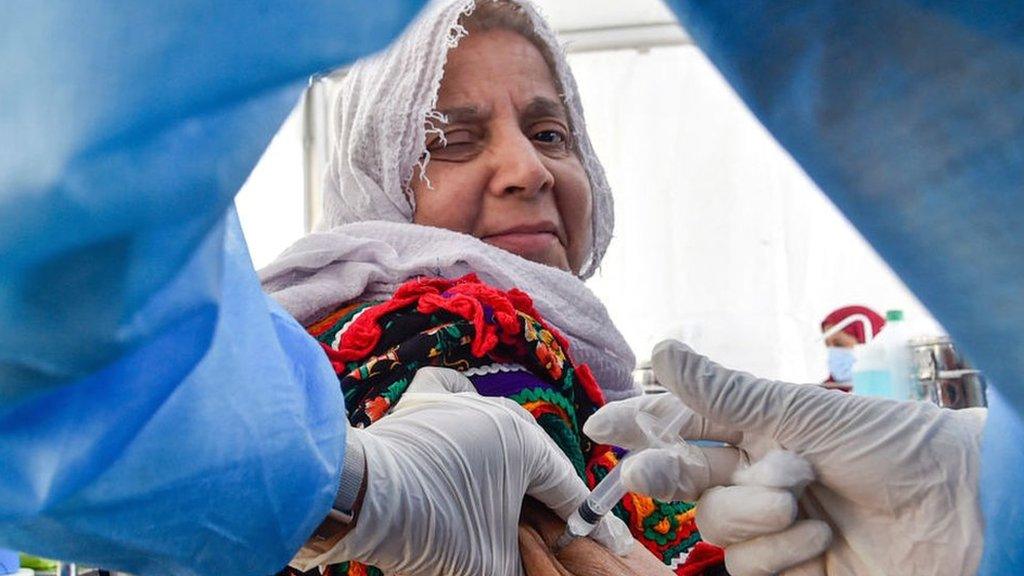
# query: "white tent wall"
271, 203
721, 240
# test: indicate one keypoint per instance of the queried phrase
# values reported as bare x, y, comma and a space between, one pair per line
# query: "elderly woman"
463, 150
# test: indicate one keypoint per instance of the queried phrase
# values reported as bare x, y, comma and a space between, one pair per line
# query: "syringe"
610, 489
602, 499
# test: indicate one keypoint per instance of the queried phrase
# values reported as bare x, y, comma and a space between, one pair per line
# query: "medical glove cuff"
353, 472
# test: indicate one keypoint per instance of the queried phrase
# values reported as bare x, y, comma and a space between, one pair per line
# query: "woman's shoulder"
327, 328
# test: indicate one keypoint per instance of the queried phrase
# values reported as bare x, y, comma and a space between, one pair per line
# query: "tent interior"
721, 240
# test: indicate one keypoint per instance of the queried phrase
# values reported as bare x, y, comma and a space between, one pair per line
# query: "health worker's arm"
157, 414
213, 447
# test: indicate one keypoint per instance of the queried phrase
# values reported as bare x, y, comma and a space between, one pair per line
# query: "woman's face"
507, 172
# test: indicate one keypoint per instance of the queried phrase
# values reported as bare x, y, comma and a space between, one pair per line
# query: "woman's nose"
519, 167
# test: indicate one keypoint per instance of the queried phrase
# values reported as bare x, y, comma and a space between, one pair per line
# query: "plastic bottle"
883, 366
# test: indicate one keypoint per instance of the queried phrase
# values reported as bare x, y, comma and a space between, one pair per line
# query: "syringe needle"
610, 489
601, 500
563, 541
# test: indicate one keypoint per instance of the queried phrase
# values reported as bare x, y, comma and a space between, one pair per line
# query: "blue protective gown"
158, 415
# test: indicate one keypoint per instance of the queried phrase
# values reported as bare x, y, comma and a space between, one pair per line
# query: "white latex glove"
447, 471
896, 482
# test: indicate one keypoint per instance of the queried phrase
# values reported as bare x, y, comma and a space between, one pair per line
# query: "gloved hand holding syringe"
611, 489
894, 481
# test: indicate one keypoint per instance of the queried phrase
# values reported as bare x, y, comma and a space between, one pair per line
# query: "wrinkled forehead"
537, 107
494, 66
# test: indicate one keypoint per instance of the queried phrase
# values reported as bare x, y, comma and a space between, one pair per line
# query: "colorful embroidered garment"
503, 345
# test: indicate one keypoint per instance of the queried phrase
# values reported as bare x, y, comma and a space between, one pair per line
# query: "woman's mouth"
525, 244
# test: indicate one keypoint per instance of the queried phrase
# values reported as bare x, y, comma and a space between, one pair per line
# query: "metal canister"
943, 376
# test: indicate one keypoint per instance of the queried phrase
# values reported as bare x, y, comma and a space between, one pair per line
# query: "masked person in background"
841, 344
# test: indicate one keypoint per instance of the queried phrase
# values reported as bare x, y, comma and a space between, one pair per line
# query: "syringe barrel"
607, 493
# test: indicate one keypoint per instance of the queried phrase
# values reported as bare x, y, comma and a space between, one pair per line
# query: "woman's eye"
550, 137
449, 140
455, 145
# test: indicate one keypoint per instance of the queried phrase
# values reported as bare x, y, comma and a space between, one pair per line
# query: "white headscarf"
381, 112
370, 246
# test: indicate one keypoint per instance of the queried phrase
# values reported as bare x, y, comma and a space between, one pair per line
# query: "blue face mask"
840, 363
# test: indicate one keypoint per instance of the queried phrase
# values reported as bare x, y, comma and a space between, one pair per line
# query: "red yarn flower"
551, 362
494, 314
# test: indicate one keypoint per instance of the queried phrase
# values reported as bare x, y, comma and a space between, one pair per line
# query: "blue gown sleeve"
908, 114
1002, 461
158, 414
214, 447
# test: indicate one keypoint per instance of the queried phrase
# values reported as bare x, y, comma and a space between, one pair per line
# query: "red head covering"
856, 329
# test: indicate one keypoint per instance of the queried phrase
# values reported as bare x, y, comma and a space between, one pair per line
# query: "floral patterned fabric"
503, 345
